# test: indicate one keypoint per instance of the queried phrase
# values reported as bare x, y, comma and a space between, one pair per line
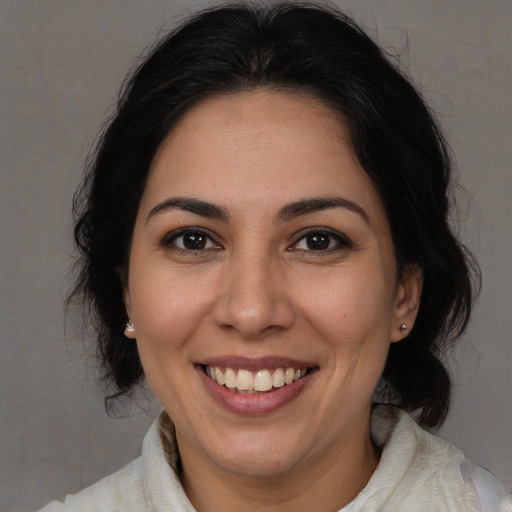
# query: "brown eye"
192, 241
324, 240
318, 242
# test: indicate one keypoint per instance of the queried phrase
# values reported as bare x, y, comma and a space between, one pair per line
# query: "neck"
327, 482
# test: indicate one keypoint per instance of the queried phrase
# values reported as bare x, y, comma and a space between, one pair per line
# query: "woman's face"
262, 256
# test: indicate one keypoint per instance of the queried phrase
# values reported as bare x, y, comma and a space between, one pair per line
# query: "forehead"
260, 147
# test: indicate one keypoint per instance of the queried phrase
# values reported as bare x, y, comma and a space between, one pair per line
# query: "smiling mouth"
262, 381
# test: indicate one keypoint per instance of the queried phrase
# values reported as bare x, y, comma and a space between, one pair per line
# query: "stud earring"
403, 327
129, 328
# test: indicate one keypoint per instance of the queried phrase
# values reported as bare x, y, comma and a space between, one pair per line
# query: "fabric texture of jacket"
417, 472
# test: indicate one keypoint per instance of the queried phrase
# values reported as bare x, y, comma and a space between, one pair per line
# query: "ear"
407, 302
129, 330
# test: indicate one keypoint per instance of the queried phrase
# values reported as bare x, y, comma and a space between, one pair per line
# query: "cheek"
354, 317
167, 310
166, 314
350, 303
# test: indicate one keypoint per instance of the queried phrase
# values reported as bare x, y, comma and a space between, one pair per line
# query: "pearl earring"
129, 328
403, 327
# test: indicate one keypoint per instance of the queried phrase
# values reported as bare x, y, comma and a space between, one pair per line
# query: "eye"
190, 240
322, 240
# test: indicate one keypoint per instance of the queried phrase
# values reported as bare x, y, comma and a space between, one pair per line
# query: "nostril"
252, 318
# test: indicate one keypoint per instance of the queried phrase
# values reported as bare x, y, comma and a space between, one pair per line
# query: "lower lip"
259, 403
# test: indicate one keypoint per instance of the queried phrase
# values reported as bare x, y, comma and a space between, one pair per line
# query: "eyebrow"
190, 204
288, 212
304, 206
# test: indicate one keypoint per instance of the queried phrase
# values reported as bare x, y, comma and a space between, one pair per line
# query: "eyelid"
343, 241
167, 240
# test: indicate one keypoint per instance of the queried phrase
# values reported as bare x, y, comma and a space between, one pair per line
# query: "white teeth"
244, 380
219, 377
262, 381
288, 375
248, 382
230, 378
278, 378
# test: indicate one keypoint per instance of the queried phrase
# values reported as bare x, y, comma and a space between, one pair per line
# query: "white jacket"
417, 472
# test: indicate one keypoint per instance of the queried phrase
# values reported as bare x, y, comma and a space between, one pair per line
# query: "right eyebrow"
309, 205
190, 204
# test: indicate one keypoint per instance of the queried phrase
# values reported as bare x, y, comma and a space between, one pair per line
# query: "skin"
258, 286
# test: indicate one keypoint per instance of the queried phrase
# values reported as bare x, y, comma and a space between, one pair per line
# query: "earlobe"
129, 328
407, 302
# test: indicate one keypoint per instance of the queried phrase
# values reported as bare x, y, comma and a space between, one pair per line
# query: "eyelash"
170, 240
336, 241
339, 241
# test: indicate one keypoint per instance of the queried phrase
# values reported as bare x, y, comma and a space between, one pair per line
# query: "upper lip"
255, 364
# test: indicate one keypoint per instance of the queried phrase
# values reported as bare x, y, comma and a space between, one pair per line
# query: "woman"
265, 239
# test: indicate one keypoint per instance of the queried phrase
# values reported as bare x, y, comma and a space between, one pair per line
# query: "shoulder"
491, 492
419, 471
121, 491
473, 484
149, 483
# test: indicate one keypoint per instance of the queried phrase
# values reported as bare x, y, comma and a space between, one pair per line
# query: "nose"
254, 300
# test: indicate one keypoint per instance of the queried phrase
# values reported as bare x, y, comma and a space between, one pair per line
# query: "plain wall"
61, 64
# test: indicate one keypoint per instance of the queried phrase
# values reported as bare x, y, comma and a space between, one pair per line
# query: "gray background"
61, 63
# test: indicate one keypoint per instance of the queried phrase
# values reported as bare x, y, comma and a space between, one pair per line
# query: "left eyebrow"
293, 210
190, 204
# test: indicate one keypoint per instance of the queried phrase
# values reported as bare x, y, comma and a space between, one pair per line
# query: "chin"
262, 465
259, 455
